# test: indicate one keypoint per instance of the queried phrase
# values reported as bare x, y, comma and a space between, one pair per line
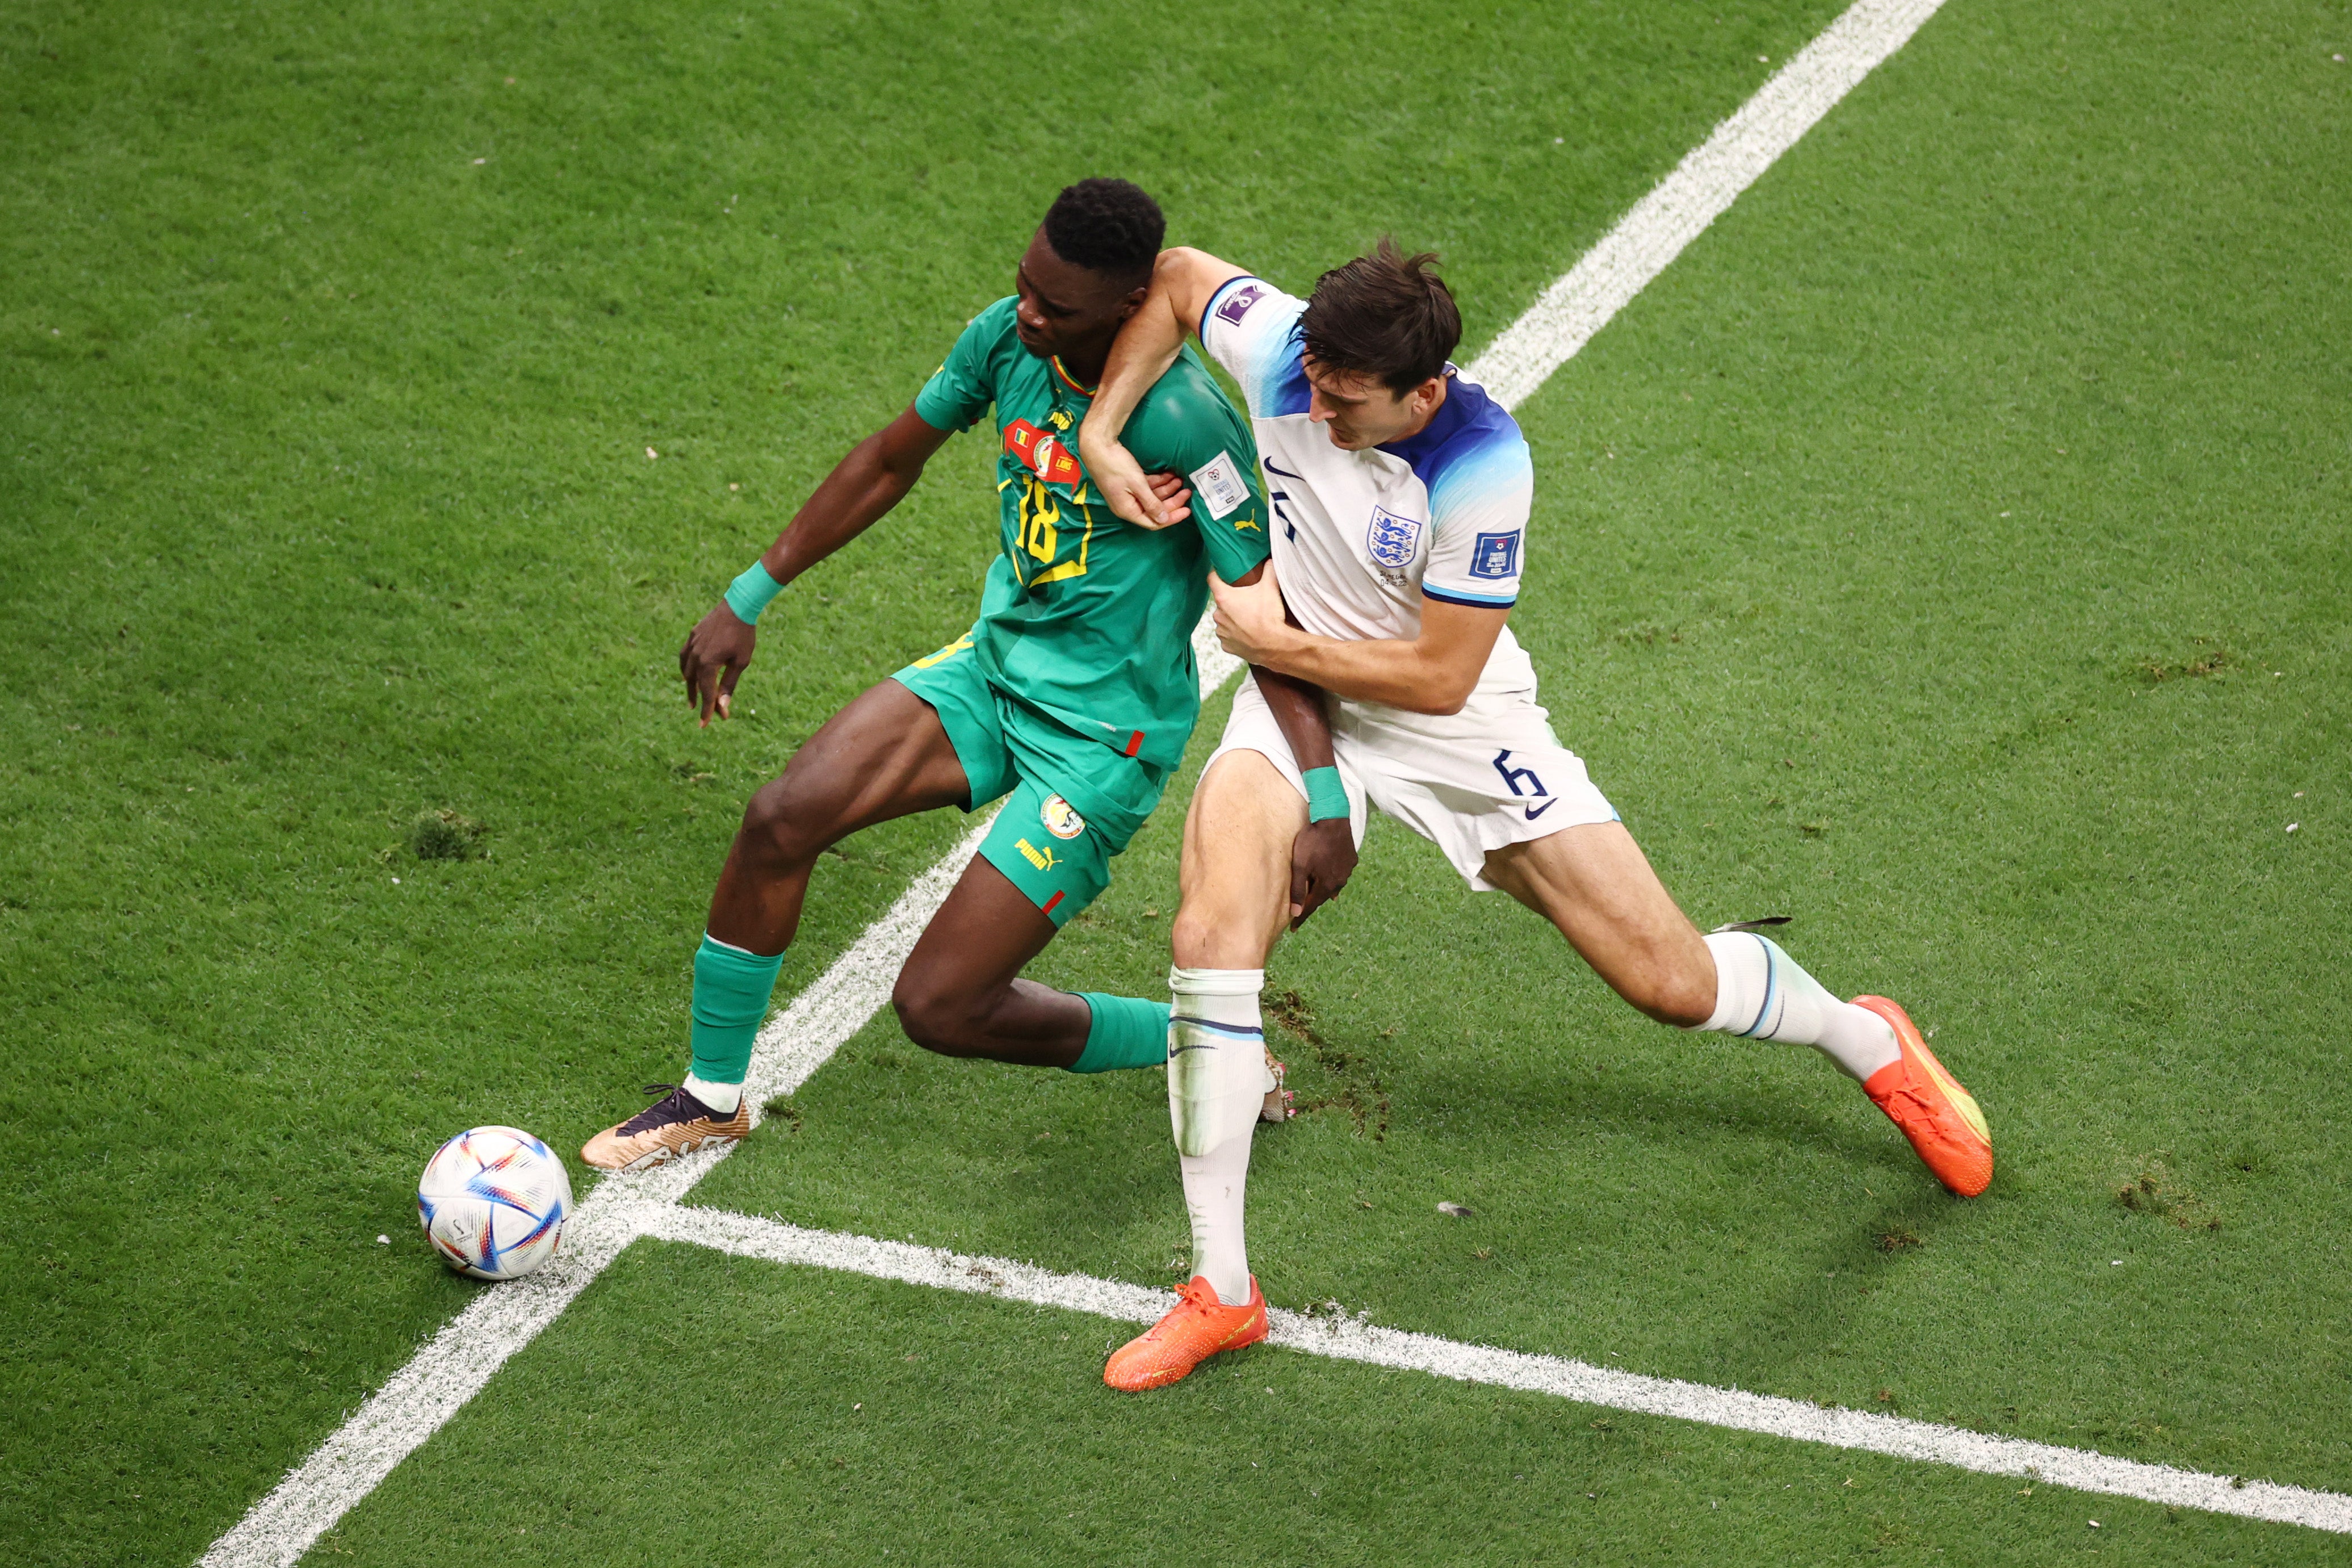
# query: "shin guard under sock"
1214, 1184
1216, 1085
731, 1002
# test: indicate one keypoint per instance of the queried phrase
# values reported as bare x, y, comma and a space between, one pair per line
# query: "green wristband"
749, 594
1326, 797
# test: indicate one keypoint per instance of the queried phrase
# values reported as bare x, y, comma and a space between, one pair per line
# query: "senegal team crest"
1059, 819
1391, 540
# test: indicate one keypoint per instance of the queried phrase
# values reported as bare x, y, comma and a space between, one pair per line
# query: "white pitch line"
1701, 187
1344, 1339
458, 1360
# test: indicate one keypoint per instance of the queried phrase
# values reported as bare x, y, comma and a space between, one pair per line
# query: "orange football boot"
1941, 1119
1198, 1328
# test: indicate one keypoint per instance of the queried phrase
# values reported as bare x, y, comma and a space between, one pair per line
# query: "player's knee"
783, 826
1210, 936
1193, 942
935, 1016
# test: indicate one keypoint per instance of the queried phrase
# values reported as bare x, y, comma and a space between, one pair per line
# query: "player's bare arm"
873, 478
1431, 673
863, 486
1182, 282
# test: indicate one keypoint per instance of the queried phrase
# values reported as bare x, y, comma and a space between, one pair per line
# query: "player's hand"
1174, 496
1251, 621
713, 660
1322, 858
1120, 480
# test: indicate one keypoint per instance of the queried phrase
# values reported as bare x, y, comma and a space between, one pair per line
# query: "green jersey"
1087, 619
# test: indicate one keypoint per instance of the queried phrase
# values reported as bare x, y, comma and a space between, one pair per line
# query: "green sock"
731, 1002
1128, 1032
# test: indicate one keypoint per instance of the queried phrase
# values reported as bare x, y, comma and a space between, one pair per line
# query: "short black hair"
1387, 315
1109, 227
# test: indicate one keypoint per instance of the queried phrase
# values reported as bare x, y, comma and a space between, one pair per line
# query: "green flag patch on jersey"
1087, 619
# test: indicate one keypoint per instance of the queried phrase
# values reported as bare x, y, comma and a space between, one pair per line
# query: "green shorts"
1076, 803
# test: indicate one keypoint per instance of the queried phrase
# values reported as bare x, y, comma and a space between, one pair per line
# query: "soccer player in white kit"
1401, 495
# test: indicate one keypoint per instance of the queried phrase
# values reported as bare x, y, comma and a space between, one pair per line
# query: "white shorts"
1470, 782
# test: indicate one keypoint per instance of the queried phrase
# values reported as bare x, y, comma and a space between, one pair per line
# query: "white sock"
722, 1098
1216, 1085
1762, 994
1214, 1184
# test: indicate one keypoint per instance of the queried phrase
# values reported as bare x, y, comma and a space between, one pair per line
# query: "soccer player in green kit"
1075, 692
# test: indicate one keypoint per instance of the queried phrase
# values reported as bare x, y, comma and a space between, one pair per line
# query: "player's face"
1361, 412
1067, 310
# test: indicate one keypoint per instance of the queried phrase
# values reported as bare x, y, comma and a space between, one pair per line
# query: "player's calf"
1670, 982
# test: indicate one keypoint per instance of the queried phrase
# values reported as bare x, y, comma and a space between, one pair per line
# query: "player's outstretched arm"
875, 477
1182, 281
1433, 673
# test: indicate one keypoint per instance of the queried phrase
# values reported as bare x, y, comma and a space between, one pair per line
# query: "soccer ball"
493, 1201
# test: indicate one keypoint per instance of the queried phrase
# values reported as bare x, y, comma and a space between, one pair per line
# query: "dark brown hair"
1387, 315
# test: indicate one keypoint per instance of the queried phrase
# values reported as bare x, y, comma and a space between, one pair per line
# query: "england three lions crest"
1391, 540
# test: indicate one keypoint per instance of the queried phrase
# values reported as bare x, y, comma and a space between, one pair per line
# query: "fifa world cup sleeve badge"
1219, 484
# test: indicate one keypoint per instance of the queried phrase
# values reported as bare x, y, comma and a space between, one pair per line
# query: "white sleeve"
1478, 514
1251, 327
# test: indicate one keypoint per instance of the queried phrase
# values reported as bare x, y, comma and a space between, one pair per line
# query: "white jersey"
1361, 538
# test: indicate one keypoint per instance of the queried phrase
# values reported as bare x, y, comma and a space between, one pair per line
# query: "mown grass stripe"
1701, 188
456, 1362
1344, 1339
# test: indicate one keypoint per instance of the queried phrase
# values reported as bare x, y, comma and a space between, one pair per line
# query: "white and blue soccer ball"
493, 1201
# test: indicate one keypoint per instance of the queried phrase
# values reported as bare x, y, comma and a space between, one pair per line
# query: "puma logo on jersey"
1040, 858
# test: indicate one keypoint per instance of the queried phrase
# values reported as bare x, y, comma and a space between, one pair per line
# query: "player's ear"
1134, 301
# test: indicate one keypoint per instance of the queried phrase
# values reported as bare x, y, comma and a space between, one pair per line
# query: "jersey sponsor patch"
1238, 302
1219, 483
1043, 453
1495, 555
1060, 819
1391, 540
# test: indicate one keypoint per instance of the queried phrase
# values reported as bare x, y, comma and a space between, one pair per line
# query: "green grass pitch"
1948, 549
